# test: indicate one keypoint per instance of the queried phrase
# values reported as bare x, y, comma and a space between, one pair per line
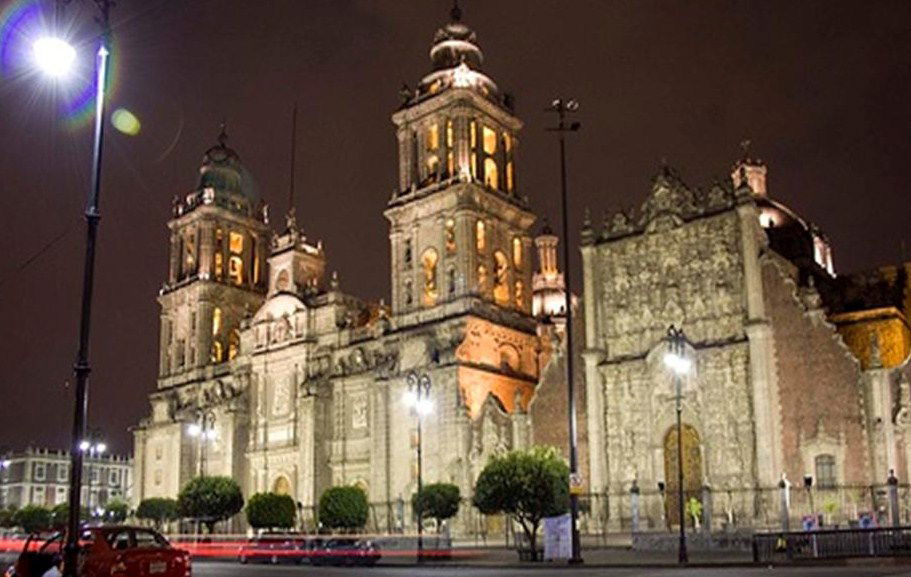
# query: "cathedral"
270, 373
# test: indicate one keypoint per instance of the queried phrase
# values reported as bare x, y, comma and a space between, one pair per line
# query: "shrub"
268, 510
343, 508
209, 500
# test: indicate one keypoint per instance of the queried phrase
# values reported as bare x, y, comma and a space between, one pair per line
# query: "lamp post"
808, 485
204, 430
680, 365
417, 398
5, 465
55, 56
561, 107
94, 449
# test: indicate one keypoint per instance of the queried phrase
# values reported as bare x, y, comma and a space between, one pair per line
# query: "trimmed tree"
344, 508
270, 510
439, 501
209, 500
117, 510
32, 518
528, 485
157, 510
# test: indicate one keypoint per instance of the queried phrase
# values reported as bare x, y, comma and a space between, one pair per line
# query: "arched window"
451, 281
480, 236
233, 344
236, 262
520, 294
500, 273
219, 254
407, 252
429, 264
826, 477
491, 178
473, 141
450, 141
409, 293
216, 321
217, 352
189, 248
482, 278
433, 137
450, 236
517, 252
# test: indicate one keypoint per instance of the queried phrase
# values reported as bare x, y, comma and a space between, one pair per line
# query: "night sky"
821, 88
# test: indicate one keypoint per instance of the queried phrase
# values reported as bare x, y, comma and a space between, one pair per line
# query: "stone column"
707, 509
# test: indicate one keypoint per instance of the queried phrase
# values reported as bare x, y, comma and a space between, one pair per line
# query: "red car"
117, 551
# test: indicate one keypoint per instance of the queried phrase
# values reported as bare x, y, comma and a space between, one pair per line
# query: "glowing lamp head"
84, 446
425, 407
5, 464
677, 363
54, 56
194, 430
410, 398
101, 448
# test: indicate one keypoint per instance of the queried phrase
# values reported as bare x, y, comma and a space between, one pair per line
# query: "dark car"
117, 551
344, 551
273, 548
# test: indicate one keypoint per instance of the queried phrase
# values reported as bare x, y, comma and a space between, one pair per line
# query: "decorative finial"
456, 12
333, 282
223, 133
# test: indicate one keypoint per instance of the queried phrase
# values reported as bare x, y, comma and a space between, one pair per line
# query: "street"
217, 569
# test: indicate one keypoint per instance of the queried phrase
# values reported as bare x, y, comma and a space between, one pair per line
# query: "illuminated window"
480, 236
490, 141
256, 272
216, 321
474, 147
482, 278
429, 263
433, 162
507, 142
450, 236
236, 243
520, 294
517, 252
825, 472
219, 254
433, 137
491, 178
450, 140
509, 177
500, 270
236, 269
217, 352
233, 344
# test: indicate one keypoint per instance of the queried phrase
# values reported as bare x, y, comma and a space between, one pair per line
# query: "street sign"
575, 484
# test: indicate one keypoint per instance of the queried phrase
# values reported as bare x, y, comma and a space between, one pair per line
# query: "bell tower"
459, 228
217, 273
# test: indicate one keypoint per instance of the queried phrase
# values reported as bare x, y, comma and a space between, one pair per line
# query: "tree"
61, 513
269, 510
209, 500
117, 510
6, 518
158, 510
343, 508
32, 518
528, 485
437, 501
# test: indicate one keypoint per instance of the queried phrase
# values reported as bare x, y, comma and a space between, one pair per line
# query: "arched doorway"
692, 470
281, 486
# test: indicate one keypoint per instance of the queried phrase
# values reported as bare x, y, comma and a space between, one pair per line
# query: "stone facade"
773, 390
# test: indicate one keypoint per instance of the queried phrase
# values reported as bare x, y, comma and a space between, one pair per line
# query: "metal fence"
836, 544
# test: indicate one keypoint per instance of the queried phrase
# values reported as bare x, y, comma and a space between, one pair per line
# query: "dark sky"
822, 89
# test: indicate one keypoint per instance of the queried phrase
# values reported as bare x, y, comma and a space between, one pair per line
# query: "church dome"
454, 44
223, 171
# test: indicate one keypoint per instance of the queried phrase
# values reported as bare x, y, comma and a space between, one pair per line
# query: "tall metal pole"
677, 343
561, 107
420, 482
82, 368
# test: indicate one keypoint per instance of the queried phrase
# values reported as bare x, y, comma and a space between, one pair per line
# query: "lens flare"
54, 56
126, 122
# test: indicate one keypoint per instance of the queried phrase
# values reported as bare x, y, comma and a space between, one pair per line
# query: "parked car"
116, 551
273, 548
344, 551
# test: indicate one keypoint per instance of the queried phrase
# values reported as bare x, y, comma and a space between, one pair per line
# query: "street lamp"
94, 450
561, 107
675, 359
808, 485
55, 56
4, 471
417, 398
203, 430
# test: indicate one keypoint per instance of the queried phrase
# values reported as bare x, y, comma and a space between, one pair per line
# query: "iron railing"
835, 544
